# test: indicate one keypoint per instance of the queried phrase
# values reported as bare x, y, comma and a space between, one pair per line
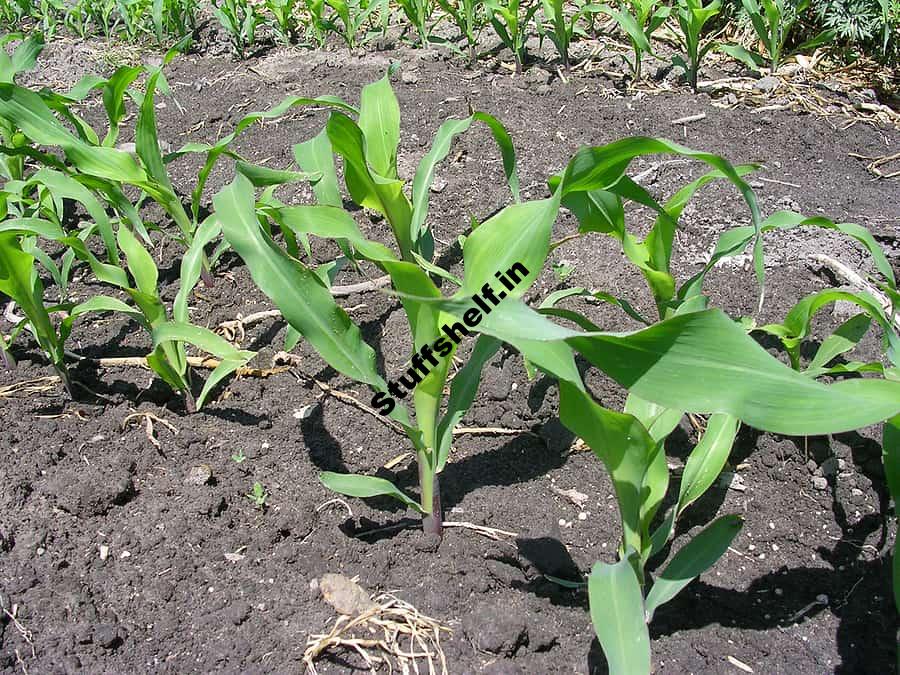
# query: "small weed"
258, 496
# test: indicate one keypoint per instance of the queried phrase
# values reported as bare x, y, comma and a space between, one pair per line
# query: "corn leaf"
697, 556
707, 459
304, 300
617, 612
355, 485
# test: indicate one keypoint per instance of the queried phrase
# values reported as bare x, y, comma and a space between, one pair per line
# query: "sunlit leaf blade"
729, 372
617, 612
842, 340
707, 459
28, 111
694, 558
315, 156
517, 235
304, 300
463, 389
355, 485
230, 357
622, 444
379, 121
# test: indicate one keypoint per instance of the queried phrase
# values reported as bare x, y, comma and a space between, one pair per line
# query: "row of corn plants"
690, 358
779, 27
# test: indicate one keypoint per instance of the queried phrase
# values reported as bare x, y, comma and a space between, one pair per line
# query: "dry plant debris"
381, 629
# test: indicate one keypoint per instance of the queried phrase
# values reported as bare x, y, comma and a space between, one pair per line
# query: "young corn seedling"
563, 28
317, 26
353, 16
286, 22
773, 22
511, 20
732, 379
368, 148
239, 19
639, 19
419, 13
468, 17
692, 16
13, 13
173, 19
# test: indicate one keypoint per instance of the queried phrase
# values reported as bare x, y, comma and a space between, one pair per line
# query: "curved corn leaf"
63, 186
367, 188
379, 122
697, 556
230, 358
355, 485
730, 372
622, 444
192, 265
316, 156
735, 240
463, 389
19, 281
842, 340
28, 111
304, 300
262, 176
707, 459
23, 57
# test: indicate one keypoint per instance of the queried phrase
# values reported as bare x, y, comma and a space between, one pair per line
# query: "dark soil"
166, 599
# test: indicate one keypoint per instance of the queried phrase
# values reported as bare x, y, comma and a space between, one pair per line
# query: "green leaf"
30, 113
622, 444
463, 389
519, 234
230, 358
707, 459
262, 176
843, 339
315, 156
617, 612
697, 556
303, 299
379, 121
192, 265
729, 372
355, 485
19, 282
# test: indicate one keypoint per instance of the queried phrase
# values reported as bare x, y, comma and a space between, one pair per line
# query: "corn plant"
732, 379
692, 16
510, 20
286, 23
317, 26
468, 17
239, 19
419, 14
135, 18
352, 18
173, 19
563, 28
368, 148
50, 14
13, 13
639, 19
102, 14
773, 22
